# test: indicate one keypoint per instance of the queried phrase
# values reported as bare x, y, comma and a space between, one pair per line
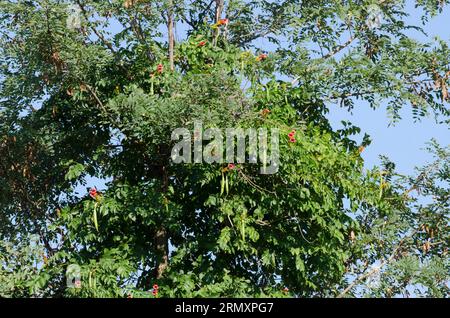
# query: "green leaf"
74, 171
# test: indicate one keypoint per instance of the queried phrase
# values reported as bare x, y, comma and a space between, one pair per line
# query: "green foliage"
412, 243
100, 102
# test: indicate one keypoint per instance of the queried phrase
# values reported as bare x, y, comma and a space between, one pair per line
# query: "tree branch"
377, 268
170, 25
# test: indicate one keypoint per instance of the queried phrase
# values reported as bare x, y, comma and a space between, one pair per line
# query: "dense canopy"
91, 91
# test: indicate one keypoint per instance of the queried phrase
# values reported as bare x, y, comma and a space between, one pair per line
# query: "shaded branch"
377, 268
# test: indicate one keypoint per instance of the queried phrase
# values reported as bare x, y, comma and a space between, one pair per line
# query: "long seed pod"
222, 184
226, 184
90, 279
94, 217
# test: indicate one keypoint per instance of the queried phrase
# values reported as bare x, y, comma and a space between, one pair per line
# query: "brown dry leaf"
437, 83
352, 236
129, 3
445, 95
69, 92
46, 79
83, 87
57, 61
56, 57
25, 172
426, 247
54, 111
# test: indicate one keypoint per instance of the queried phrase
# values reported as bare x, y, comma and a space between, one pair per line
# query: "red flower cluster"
155, 290
231, 166
93, 193
361, 149
160, 68
261, 57
223, 22
291, 136
201, 43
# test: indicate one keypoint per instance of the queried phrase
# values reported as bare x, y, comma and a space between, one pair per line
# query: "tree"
406, 251
98, 96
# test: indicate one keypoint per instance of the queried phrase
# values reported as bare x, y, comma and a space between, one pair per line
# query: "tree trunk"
162, 248
161, 236
170, 26
219, 9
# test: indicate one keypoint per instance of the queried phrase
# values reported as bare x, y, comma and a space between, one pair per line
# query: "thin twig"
339, 48
102, 38
377, 268
246, 178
